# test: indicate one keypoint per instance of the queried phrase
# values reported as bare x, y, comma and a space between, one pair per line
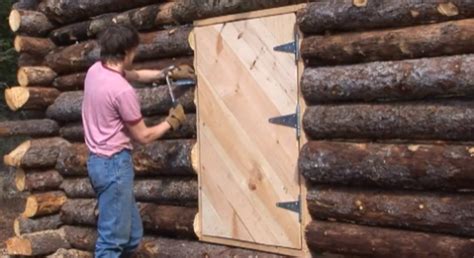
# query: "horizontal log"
75, 132
23, 225
169, 158
396, 166
167, 247
31, 23
320, 17
441, 120
143, 18
39, 153
32, 98
37, 180
379, 242
67, 11
172, 191
167, 43
429, 212
70, 82
154, 101
448, 38
33, 45
70, 253
25, 59
396, 80
75, 81
33, 128
35, 75
187, 11
153, 45
37, 244
164, 220
44, 204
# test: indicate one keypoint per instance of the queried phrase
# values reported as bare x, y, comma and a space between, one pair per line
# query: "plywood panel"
247, 165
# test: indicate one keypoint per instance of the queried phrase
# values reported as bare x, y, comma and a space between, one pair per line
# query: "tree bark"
449, 38
44, 204
23, 225
70, 82
72, 160
430, 212
443, 120
163, 220
75, 58
167, 43
37, 244
25, 5
36, 75
33, 45
32, 128
75, 132
32, 98
160, 64
170, 158
40, 153
68, 11
379, 242
37, 180
167, 247
154, 101
81, 31
181, 192
25, 59
29, 23
319, 17
82, 238
191, 10
395, 166
398, 80
70, 253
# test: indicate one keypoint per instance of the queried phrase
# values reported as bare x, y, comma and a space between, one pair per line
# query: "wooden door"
247, 165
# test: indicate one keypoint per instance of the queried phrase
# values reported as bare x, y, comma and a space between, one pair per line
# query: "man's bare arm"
144, 76
143, 134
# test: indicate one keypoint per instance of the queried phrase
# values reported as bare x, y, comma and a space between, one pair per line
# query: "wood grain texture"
247, 164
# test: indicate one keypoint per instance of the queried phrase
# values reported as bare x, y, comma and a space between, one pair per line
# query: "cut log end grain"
197, 224
44, 203
195, 158
360, 3
37, 98
20, 178
13, 159
37, 244
14, 20
36, 75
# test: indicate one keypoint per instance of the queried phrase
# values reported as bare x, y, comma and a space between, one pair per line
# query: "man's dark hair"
115, 41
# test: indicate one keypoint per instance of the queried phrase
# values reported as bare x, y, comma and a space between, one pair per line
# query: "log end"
20, 179
17, 44
360, 3
16, 227
19, 246
31, 207
195, 158
22, 76
16, 97
14, 158
197, 225
14, 20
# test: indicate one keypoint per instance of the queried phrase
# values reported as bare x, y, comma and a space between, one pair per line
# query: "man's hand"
182, 72
176, 117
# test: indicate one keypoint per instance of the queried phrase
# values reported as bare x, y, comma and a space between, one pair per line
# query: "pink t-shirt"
109, 103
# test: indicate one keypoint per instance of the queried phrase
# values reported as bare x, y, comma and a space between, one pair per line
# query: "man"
111, 117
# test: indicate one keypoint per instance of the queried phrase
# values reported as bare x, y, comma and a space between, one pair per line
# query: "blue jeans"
119, 227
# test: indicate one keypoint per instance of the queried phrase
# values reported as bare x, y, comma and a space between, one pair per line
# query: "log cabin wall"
388, 164
389, 119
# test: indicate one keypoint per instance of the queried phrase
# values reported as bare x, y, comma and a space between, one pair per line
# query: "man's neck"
118, 67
